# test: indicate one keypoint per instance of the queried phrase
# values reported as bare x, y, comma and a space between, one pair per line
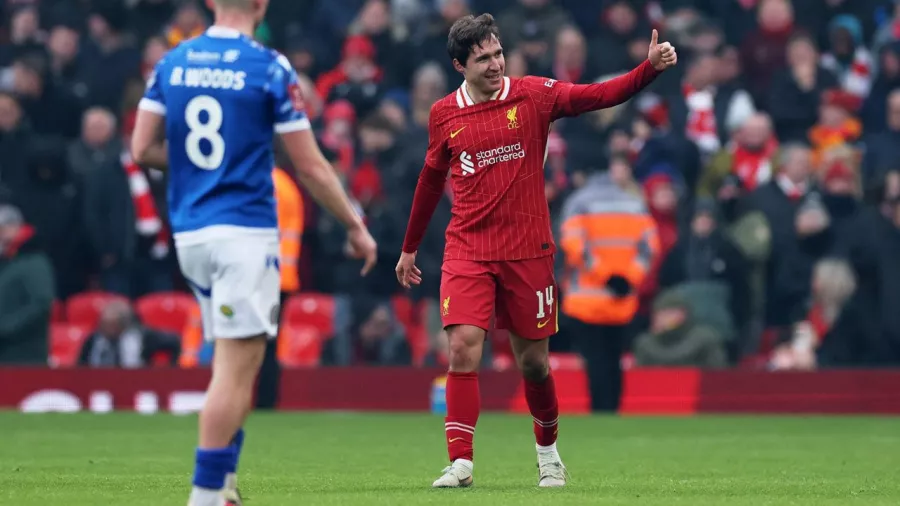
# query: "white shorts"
235, 275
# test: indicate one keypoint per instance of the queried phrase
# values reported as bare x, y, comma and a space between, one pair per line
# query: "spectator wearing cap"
837, 125
848, 57
338, 134
676, 339
357, 78
795, 93
26, 292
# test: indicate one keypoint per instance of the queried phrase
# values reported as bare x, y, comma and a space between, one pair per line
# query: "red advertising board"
646, 391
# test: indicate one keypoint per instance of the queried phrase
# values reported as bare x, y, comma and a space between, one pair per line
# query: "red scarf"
701, 122
147, 220
754, 168
821, 326
26, 232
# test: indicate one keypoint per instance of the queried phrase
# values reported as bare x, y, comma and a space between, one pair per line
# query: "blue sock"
237, 444
211, 467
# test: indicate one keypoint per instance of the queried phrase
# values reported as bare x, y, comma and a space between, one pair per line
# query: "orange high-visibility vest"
606, 232
290, 227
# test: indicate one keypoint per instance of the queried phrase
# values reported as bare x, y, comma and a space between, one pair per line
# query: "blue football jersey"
224, 96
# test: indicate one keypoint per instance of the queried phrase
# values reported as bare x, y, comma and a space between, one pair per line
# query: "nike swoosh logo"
543, 324
454, 134
454, 439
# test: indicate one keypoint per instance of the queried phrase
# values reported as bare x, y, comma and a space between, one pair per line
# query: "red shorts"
522, 293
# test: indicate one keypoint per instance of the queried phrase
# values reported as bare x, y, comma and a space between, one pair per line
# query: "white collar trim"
222, 32
463, 99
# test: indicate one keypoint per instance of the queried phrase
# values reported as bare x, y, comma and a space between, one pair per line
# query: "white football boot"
551, 470
456, 475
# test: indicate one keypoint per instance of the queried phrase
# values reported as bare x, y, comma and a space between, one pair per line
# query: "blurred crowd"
767, 161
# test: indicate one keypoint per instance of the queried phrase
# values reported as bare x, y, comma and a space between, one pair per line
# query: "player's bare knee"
535, 366
465, 347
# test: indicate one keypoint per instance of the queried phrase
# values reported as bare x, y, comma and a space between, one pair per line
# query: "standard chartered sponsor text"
501, 154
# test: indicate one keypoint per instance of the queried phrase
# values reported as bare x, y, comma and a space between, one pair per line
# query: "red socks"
463, 405
541, 398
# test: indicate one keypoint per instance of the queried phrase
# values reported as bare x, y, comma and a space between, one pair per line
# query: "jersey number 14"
208, 131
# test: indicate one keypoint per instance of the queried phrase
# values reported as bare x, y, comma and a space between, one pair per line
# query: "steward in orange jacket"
609, 241
290, 227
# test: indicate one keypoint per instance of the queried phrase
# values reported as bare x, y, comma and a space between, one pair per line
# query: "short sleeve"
153, 100
289, 109
438, 154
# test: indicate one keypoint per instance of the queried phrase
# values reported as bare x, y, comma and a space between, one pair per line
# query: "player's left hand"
407, 272
661, 55
362, 245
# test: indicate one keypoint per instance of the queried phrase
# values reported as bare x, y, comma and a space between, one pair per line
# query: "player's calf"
236, 363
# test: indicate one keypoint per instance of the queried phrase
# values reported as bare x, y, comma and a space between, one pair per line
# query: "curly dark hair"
469, 31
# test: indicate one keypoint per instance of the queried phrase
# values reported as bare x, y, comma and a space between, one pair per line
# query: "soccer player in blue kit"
220, 98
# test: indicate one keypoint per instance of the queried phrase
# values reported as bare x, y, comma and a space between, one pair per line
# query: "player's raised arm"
574, 99
428, 193
148, 146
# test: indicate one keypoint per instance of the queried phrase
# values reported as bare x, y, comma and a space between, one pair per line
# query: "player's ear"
459, 66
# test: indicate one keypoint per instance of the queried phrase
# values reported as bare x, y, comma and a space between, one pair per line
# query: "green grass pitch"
368, 459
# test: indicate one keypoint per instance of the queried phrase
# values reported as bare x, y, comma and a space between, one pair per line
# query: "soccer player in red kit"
491, 134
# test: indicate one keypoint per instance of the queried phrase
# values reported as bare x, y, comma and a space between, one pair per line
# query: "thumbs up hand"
661, 56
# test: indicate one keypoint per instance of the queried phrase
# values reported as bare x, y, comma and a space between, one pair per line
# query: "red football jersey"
495, 152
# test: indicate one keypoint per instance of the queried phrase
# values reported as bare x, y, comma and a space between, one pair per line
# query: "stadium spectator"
837, 125
536, 22
848, 57
779, 201
748, 156
817, 336
357, 78
706, 264
375, 338
794, 95
883, 148
609, 241
189, 22
708, 110
763, 51
15, 132
675, 339
121, 341
98, 145
26, 292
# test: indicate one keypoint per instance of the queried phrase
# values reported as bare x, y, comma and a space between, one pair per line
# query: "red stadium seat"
300, 345
168, 311
58, 312
65, 343
412, 316
315, 309
84, 308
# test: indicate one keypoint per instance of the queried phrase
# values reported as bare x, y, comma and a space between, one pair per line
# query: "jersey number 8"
200, 131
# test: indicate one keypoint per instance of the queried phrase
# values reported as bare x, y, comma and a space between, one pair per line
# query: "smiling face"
485, 67
474, 45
